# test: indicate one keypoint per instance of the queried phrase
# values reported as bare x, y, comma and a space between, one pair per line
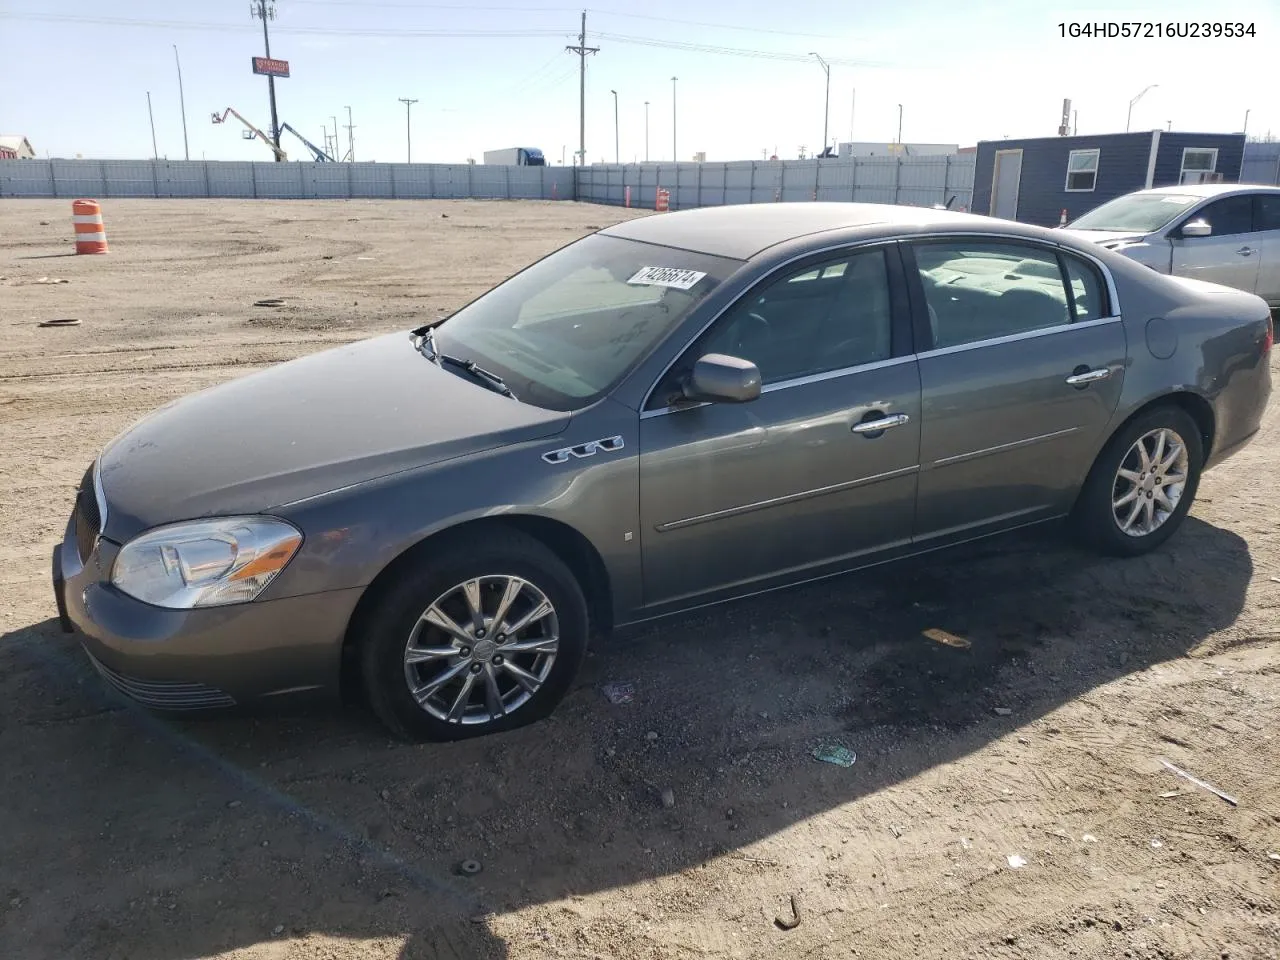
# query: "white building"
863, 149
16, 147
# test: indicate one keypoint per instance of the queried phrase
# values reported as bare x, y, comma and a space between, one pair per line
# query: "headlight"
205, 563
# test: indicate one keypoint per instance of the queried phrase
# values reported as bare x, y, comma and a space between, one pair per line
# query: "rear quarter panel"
1186, 336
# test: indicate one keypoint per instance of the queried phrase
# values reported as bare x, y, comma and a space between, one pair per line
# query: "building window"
1199, 165
1082, 171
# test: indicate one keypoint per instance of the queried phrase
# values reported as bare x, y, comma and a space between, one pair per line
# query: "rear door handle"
1245, 251
1089, 376
881, 423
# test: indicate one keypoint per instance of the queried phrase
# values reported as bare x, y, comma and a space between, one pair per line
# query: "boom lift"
251, 132
316, 152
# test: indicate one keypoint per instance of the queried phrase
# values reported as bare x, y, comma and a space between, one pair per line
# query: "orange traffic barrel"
662, 200
91, 235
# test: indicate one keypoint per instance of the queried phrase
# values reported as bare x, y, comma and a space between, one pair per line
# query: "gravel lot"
312, 836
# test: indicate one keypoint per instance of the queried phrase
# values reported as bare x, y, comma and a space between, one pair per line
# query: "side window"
1266, 211
1082, 171
1228, 215
814, 320
978, 290
1086, 290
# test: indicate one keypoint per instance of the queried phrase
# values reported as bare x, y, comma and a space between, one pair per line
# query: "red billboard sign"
270, 68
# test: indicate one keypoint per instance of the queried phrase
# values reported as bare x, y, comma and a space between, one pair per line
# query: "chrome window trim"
857, 246
1015, 337
794, 382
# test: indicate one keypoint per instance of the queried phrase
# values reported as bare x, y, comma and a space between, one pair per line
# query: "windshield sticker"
672, 277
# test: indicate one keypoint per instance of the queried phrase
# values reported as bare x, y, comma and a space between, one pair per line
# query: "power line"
691, 47
528, 33
389, 4
312, 31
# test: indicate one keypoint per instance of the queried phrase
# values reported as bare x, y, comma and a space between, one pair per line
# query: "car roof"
1209, 189
741, 231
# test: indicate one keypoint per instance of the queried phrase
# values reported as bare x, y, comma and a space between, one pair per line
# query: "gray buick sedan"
675, 411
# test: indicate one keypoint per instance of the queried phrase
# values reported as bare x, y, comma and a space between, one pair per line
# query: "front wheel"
1142, 484
487, 636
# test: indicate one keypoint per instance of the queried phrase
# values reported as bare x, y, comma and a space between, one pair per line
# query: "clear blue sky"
76, 73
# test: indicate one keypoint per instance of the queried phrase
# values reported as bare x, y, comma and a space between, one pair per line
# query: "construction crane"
252, 132
316, 152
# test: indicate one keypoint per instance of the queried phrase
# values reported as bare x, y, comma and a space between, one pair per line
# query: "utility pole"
351, 144
337, 145
182, 99
899, 125
826, 105
1245, 128
408, 128
853, 104
582, 50
675, 157
266, 10
646, 131
617, 154
155, 153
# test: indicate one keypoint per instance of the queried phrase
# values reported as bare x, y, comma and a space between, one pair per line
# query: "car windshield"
567, 329
1138, 212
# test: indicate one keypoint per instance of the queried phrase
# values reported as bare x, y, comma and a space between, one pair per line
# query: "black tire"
385, 633
1093, 518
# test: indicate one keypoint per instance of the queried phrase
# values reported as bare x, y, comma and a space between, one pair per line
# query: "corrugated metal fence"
912, 181
285, 181
1261, 163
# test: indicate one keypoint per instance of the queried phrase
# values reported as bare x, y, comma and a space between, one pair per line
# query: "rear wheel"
1143, 483
487, 637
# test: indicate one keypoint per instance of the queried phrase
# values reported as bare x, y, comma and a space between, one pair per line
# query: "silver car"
675, 411
1222, 233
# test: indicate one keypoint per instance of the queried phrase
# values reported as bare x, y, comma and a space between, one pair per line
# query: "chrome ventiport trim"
588, 449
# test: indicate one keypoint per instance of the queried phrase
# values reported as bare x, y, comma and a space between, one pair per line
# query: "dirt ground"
310, 835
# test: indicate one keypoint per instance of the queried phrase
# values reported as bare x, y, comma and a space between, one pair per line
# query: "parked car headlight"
205, 563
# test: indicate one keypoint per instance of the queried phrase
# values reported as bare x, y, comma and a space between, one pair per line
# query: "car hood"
303, 428
1106, 238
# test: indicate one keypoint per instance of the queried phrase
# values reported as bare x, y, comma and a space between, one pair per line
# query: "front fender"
352, 535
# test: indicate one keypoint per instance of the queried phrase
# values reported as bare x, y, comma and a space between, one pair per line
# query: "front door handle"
1089, 376
1245, 251
881, 423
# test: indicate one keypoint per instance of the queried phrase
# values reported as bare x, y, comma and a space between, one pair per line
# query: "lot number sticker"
666, 277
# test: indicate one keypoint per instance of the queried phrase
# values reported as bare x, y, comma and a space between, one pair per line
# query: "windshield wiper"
489, 379
427, 347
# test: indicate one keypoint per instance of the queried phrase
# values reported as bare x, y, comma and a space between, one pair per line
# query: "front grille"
88, 517
164, 694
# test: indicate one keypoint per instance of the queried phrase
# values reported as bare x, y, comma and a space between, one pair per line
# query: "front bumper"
202, 659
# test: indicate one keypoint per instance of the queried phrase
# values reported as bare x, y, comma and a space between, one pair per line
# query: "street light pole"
1129, 116
1245, 129
155, 152
646, 131
675, 157
183, 101
899, 126
408, 129
617, 156
826, 105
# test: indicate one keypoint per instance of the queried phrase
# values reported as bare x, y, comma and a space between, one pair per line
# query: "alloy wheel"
482, 649
1150, 482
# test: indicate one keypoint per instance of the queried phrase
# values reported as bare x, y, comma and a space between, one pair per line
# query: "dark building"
1034, 180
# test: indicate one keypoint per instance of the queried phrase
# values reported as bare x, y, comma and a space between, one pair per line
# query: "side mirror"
717, 378
1196, 228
